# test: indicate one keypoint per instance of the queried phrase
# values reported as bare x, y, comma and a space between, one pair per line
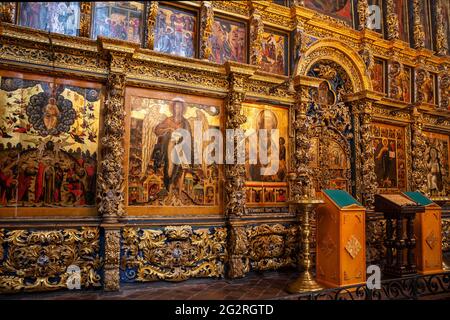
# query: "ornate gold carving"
111, 175
375, 234
256, 38
353, 246
363, 13
37, 260
418, 144
112, 260
85, 19
392, 22
206, 25
236, 7
8, 12
271, 246
418, 28
175, 253
445, 235
444, 89
238, 261
152, 13
441, 36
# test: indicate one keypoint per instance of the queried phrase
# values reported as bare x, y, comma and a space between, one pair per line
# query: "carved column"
393, 31
256, 37
238, 262
8, 12
152, 14
441, 34
85, 19
418, 29
366, 184
363, 13
206, 25
418, 145
111, 280
444, 90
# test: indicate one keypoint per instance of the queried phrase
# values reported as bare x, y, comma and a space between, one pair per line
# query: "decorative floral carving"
418, 28
444, 89
112, 260
85, 19
8, 12
418, 144
441, 36
175, 253
363, 13
152, 13
238, 261
375, 236
256, 38
393, 30
206, 25
446, 235
37, 260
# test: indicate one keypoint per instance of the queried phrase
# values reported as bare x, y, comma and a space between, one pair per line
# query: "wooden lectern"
399, 245
341, 240
427, 229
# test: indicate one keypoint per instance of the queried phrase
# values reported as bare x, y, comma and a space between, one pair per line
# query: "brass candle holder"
305, 281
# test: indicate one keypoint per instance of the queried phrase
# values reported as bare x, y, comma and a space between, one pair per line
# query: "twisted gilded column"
442, 45
418, 145
256, 37
85, 19
392, 23
206, 25
418, 28
152, 14
363, 14
238, 262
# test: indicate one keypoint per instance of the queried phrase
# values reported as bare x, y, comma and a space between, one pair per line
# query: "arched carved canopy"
340, 53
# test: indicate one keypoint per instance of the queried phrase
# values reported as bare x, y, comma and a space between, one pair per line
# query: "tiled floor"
255, 286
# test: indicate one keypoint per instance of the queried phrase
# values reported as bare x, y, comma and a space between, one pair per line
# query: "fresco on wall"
390, 156
377, 76
175, 32
228, 41
48, 142
154, 178
266, 184
59, 17
401, 9
341, 9
437, 160
274, 53
118, 19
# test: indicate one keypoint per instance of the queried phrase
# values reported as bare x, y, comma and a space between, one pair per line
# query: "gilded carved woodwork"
175, 253
111, 280
441, 44
256, 37
85, 19
206, 25
393, 29
152, 13
375, 236
399, 81
418, 146
38, 260
363, 13
446, 235
8, 12
418, 28
238, 244
111, 175
272, 246
444, 89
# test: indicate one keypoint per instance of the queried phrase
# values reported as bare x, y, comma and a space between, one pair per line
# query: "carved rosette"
238, 261
444, 89
111, 174
368, 184
256, 38
441, 36
111, 281
8, 12
418, 144
363, 13
393, 30
85, 19
152, 14
418, 28
206, 25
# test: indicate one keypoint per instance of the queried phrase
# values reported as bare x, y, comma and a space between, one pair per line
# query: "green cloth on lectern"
418, 197
341, 198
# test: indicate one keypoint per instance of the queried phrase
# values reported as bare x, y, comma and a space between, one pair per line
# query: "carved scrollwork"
441, 36
444, 89
8, 12
256, 38
393, 30
175, 253
363, 13
375, 236
206, 25
152, 13
38, 260
238, 260
418, 144
272, 246
418, 28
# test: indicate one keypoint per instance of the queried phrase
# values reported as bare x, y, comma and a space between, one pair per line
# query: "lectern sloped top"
342, 199
420, 199
396, 204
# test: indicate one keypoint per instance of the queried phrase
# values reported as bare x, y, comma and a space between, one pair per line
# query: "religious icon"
390, 156
175, 32
274, 53
341, 9
157, 175
228, 41
118, 19
267, 171
437, 160
58, 17
49, 141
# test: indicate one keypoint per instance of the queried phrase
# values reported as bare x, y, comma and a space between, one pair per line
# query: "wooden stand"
427, 228
341, 241
399, 250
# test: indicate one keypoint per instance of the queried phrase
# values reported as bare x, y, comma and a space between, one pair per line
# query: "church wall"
96, 209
